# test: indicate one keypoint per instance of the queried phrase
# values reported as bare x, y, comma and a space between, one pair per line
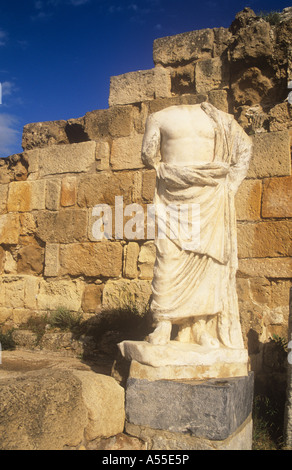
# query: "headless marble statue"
201, 155
204, 158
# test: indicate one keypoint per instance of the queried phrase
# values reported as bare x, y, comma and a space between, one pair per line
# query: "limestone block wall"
48, 254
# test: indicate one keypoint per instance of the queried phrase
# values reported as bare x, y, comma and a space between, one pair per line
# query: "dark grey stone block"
212, 409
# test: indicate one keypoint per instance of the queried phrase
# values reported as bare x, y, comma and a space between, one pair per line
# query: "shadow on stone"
102, 333
270, 387
75, 132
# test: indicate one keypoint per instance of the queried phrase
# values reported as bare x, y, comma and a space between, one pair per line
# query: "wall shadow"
101, 335
269, 362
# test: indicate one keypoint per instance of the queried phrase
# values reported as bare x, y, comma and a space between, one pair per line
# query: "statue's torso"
187, 135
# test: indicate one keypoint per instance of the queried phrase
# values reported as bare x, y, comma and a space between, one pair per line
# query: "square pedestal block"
211, 409
180, 361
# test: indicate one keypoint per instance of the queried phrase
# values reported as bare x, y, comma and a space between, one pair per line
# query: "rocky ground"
50, 400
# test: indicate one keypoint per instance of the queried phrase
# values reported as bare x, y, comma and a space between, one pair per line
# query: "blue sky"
57, 56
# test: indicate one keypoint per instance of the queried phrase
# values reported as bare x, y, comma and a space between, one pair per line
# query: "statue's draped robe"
191, 281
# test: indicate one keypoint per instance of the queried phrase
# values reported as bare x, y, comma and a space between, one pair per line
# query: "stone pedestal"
191, 414
176, 360
186, 396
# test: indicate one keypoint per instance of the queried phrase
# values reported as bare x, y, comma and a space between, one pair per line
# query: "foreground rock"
50, 402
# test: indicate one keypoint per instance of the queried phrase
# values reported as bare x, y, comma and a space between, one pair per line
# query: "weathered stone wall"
48, 255
288, 407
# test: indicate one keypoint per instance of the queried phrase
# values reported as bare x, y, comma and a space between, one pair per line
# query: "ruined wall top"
251, 60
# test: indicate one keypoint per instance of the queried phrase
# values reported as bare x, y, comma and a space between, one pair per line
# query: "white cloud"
76, 3
41, 12
133, 7
7, 88
39, 5
44, 9
42, 15
114, 9
10, 95
23, 44
9, 135
3, 37
138, 10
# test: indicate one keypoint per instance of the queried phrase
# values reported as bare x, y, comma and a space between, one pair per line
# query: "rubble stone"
44, 134
135, 87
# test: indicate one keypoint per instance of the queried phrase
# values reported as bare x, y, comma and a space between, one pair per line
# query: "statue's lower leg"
202, 336
161, 334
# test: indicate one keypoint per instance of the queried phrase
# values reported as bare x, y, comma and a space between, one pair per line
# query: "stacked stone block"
47, 246
48, 254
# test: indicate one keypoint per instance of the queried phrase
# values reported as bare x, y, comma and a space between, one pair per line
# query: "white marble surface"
201, 156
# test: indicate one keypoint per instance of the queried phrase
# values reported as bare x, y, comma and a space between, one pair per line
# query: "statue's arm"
242, 152
151, 143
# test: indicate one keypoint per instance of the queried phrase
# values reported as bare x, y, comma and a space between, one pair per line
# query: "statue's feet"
208, 341
161, 334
